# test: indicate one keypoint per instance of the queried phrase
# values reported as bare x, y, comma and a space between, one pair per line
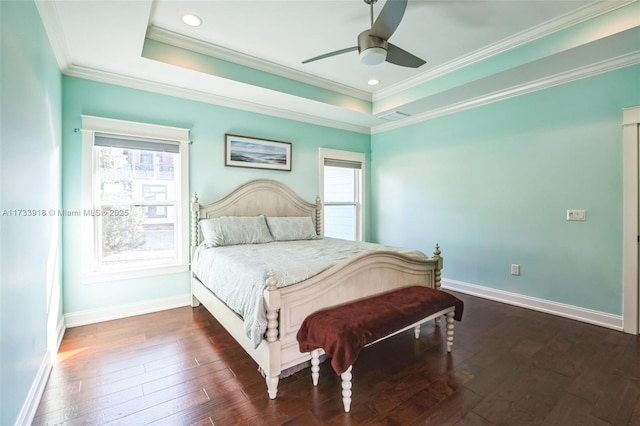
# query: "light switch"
576, 214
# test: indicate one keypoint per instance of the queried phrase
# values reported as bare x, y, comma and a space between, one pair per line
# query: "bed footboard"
367, 275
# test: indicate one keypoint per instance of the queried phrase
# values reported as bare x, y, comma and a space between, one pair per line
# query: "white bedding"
236, 274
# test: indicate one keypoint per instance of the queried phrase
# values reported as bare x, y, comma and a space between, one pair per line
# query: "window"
342, 183
135, 206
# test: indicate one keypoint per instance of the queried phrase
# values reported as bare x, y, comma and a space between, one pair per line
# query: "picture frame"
256, 153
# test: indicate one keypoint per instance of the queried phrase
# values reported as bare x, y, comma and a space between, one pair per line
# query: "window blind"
343, 163
130, 142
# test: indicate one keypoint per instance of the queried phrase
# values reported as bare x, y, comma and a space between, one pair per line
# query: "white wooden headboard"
253, 198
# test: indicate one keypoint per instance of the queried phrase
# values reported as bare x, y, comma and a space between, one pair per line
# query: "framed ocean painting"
243, 151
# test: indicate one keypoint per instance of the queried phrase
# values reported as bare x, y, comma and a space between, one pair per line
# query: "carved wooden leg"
272, 386
416, 331
450, 330
315, 366
346, 389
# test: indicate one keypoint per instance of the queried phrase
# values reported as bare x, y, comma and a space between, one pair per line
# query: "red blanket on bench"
343, 331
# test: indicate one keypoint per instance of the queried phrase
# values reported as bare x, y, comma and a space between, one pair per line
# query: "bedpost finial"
272, 282
194, 198
436, 252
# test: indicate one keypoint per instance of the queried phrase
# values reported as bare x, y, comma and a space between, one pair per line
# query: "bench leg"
450, 330
346, 389
315, 366
416, 331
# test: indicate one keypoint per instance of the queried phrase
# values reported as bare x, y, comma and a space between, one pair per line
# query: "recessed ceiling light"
373, 82
191, 19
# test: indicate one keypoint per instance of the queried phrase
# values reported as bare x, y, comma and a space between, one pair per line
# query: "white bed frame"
362, 276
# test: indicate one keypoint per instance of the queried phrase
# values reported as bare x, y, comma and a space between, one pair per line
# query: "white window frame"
359, 157
92, 125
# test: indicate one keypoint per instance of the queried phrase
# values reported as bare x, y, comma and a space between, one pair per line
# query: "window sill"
103, 276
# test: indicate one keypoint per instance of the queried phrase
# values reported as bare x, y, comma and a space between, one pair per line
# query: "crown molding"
52, 24
178, 40
55, 33
533, 86
522, 89
546, 28
195, 95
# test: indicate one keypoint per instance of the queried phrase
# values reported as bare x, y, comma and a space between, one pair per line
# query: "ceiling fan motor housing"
372, 49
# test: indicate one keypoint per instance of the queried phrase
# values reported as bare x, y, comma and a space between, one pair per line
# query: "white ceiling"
288, 32
104, 40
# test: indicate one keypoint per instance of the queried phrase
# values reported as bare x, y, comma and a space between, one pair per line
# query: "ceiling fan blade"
330, 54
397, 56
389, 19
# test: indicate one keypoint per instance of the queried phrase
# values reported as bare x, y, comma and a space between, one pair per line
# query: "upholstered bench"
341, 332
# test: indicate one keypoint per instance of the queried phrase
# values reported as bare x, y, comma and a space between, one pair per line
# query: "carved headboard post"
318, 216
438, 273
195, 213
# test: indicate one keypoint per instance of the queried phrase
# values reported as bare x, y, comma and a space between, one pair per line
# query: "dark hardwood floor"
509, 366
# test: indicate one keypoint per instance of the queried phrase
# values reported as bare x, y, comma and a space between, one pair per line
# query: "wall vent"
393, 116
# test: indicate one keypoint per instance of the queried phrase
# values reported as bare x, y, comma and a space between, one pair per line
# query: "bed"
285, 307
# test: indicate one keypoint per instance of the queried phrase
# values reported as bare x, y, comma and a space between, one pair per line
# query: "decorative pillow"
230, 230
292, 228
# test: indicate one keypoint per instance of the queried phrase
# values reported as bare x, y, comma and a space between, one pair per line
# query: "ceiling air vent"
393, 116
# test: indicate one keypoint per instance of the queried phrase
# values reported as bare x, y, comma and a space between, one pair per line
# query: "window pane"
134, 175
339, 184
133, 235
154, 192
138, 234
340, 222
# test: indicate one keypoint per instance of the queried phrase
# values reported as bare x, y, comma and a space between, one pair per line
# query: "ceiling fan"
373, 45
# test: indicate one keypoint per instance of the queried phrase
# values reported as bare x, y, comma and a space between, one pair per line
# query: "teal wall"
492, 185
31, 93
208, 175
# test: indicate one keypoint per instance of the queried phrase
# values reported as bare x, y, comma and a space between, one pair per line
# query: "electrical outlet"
515, 269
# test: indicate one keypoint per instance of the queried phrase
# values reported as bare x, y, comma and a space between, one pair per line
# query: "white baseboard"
60, 329
567, 311
75, 319
30, 406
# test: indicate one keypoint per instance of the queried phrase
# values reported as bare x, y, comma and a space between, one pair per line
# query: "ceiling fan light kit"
373, 50
373, 56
